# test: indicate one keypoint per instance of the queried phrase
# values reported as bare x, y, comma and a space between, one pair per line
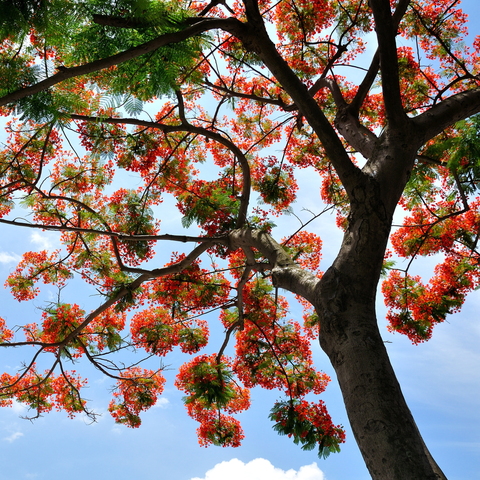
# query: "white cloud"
13, 437
101, 380
9, 257
162, 402
260, 469
18, 408
44, 242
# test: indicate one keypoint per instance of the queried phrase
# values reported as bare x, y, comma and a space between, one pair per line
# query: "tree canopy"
219, 104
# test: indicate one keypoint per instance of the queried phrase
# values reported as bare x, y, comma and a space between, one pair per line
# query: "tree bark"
382, 423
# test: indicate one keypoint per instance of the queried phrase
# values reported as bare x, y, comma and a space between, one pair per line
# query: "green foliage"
460, 153
312, 320
16, 71
53, 105
15, 16
194, 338
142, 392
421, 328
210, 203
290, 421
465, 153
72, 402
239, 56
113, 339
38, 399
259, 223
151, 75
158, 332
127, 417
133, 217
211, 385
419, 185
345, 11
128, 299
387, 265
63, 33
274, 187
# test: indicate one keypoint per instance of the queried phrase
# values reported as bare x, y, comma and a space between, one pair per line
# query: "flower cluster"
137, 391
42, 392
5, 333
309, 424
210, 389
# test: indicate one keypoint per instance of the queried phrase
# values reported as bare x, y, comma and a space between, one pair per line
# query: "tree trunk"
382, 423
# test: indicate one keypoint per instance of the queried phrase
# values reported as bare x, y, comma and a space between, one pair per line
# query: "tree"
404, 133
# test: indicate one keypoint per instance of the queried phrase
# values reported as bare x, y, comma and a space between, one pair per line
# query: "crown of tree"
255, 90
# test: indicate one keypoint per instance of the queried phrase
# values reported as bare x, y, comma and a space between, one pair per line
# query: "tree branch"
366, 84
369, 78
285, 272
255, 37
158, 272
188, 127
272, 101
386, 30
347, 119
124, 237
445, 114
356, 134
169, 38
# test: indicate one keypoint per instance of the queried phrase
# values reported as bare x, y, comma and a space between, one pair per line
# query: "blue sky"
440, 381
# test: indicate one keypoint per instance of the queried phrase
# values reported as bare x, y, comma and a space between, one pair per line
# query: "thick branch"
347, 119
445, 114
356, 134
285, 272
332, 85
255, 37
369, 78
366, 84
386, 31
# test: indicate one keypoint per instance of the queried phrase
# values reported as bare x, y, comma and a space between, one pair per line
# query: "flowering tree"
234, 79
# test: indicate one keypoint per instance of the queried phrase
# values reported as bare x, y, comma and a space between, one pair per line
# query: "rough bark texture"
383, 426
345, 301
